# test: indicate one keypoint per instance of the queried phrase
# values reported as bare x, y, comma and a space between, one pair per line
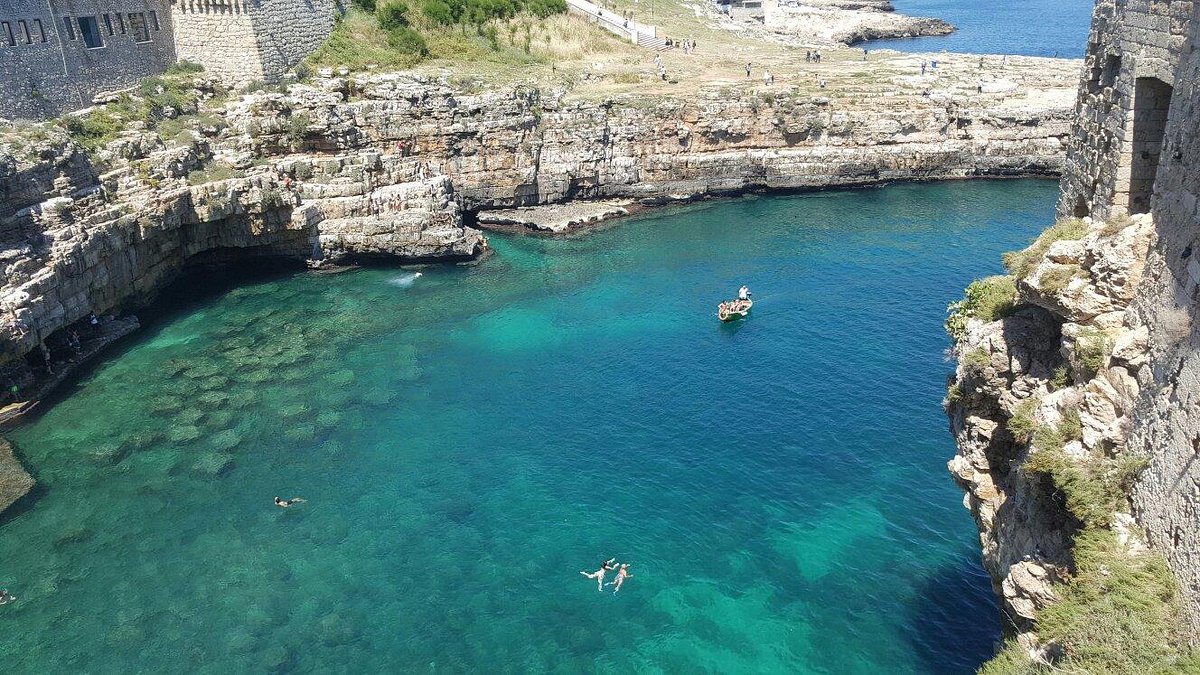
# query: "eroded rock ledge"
1057, 374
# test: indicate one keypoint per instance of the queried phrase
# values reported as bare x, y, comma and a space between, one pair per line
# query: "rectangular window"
23, 32
154, 20
89, 30
70, 27
6, 29
40, 30
137, 26
108, 24
121, 23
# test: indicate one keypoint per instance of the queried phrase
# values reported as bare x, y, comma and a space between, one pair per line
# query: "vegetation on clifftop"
1021, 263
396, 35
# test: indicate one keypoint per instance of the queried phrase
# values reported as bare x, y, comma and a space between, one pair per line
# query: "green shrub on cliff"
1023, 422
987, 299
1021, 263
1091, 350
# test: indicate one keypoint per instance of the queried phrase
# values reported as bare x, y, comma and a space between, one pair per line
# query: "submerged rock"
14, 481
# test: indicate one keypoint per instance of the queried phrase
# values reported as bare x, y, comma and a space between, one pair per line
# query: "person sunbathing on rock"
284, 503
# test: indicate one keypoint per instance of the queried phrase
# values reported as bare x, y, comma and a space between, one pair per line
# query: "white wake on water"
405, 280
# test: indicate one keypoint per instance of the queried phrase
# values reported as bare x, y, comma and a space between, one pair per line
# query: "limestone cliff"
1055, 373
389, 165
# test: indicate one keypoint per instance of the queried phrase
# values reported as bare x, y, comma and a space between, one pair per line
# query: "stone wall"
242, 41
1133, 150
1166, 419
47, 68
1133, 52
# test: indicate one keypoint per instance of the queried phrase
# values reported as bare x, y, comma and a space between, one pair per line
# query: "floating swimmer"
6, 597
284, 503
598, 575
622, 575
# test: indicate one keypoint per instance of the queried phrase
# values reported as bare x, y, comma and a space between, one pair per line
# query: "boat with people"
738, 308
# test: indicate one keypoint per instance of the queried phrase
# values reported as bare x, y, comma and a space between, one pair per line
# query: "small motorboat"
733, 310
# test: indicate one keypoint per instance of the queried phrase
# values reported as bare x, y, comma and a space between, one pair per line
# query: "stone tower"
1135, 148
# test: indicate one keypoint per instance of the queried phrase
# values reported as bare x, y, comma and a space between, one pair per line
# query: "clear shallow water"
1026, 27
469, 439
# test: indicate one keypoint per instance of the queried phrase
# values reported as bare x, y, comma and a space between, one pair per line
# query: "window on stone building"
40, 30
121, 23
137, 26
6, 28
154, 20
89, 30
23, 32
1151, 103
108, 24
70, 27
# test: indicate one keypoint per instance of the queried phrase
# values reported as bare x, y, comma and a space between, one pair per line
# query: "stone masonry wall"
1166, 418
219, 36
46, 68
1134, 48
1134, 149
242, 41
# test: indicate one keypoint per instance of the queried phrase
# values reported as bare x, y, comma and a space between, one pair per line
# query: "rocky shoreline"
847, 22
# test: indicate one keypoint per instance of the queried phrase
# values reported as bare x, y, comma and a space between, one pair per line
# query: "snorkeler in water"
6, 597
622, 575
284, 503
598, 575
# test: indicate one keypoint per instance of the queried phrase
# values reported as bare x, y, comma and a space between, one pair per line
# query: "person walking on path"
747, 69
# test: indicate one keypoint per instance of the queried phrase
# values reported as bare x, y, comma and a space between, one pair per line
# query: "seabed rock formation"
14, 481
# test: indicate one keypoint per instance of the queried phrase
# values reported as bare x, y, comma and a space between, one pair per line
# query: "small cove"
469, 439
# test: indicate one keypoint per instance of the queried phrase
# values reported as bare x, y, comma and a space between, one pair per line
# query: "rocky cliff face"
1054, 377
388, 164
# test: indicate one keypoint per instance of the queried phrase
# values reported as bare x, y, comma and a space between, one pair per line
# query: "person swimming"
622, 575
598, 575
284, 503
6, 597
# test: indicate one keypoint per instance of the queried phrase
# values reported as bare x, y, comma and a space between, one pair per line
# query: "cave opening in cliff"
1151, 101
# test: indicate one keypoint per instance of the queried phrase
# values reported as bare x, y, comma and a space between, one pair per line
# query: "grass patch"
1023, 422
977, 359
1118, 614
1091, 350
1056, 279
1061, 379
510, 33
213, 172
987, 299
1021, 263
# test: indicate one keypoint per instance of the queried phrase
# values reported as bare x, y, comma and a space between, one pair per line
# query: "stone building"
1135, 149
55, 55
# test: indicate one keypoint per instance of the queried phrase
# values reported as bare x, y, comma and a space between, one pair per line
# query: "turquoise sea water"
470, 439
1027, 27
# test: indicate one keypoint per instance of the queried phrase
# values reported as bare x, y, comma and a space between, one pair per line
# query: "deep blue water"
470, 439
1026, 27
